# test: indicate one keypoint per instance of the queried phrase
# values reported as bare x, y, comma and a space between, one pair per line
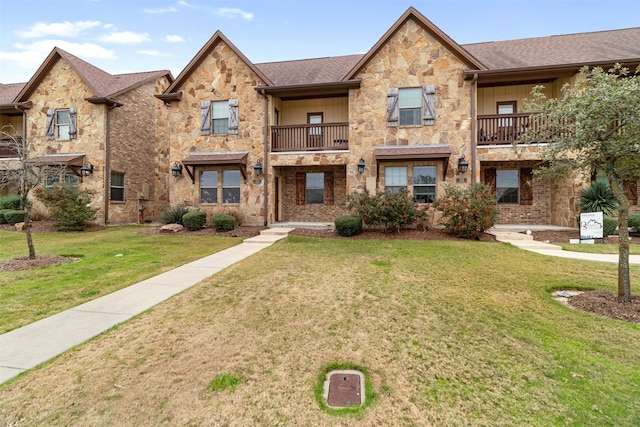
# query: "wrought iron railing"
310, 137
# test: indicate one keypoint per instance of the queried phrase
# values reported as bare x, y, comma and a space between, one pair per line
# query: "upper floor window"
219, 117
117, 187
61, 124
411, 106
506, 107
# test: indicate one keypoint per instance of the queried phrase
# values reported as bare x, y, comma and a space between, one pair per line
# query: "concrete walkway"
27, 347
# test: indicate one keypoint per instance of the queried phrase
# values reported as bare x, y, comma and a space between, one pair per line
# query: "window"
395, 178
61, 124
66, 177
411, 106
231, 186
209, 187
117, 187
315, 188
424, 184
219, 117
506, 107
507, 185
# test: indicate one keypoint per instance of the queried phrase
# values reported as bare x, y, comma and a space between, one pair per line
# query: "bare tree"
21, 171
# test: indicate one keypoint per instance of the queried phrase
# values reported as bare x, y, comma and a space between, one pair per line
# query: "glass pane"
315, 180
410, 117
424, 175
117, 179
395, 176
507, 178
231, 178
507, 195
62, 117
117, 194
395, 189
221, 126
410, 97
71, 178
424, 194
505, 109
209, 179
208, 195
315, 119
315, 196
63, 132
51, 179
220, 110
231, 195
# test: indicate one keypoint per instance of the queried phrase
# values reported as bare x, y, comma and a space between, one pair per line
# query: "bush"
238, 214
67, 204
610, 226
597, 198
13, 216
194, 220
348, 225
10, 202
173, 215
467, 212
388, 209
634, 223
223, 222
3, 220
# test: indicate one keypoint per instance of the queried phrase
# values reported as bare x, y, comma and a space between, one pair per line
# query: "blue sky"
122, 36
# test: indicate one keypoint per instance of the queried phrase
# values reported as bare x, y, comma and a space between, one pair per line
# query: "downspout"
265, 162
474, 127
107, 165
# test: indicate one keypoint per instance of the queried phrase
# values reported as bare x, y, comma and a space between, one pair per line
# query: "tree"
23, 173
594, 126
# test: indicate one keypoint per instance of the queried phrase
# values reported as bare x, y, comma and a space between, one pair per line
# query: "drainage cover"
345, 389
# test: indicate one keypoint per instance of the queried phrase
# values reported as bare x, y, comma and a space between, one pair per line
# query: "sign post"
591, 226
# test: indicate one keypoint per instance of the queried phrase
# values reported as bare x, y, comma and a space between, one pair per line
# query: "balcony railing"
508, 128
315, 137
8, 147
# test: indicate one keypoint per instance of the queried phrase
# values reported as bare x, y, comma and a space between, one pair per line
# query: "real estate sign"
591, 225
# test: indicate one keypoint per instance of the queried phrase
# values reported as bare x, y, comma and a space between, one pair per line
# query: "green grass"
598, 248
110, 259
224, 381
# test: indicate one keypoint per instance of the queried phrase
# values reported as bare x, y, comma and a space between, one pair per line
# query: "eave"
318, 90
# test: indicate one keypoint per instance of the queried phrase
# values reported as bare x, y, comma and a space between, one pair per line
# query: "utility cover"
345, 389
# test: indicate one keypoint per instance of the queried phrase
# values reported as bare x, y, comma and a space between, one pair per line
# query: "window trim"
388, 187
112, 186
224, 187
517, 186
434, 185
200, 187
307, 188
220, 186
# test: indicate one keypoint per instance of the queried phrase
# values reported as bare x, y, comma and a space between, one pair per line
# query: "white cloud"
153, 53
185, 4
173, 38
61, 29
125, 37
230, 12
161, 10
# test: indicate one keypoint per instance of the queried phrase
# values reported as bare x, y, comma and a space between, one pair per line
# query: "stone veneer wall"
221, 75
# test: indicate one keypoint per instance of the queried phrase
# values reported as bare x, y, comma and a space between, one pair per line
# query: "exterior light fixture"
463, 165
86, 170
257, 168
176, 169
361, 165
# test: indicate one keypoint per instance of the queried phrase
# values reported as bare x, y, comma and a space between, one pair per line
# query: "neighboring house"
289, 141
11, 126
103, 128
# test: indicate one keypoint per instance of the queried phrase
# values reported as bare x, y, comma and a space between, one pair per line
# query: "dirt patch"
42, 261
605, 303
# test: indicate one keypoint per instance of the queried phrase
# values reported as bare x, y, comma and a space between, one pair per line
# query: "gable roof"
8, 92
101, 83
309, 71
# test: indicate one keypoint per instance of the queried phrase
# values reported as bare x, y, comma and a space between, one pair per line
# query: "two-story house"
104, 129
289, 141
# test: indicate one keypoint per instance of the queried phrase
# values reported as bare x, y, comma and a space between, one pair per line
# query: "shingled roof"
309, 71
8, 92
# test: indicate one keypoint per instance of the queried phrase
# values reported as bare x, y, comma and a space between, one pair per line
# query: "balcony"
8, 147
310, 137
508, 128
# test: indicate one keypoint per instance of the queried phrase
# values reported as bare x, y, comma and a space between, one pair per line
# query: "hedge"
348, 225
223, 222
195, 220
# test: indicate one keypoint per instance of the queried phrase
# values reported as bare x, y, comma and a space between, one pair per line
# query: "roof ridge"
309, 59
551, 36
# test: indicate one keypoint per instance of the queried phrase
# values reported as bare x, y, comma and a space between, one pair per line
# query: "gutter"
474, 126
265, 162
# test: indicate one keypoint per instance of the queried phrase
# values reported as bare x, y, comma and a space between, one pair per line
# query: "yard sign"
591, 225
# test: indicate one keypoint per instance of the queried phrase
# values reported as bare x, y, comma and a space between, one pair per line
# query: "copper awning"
415, 152
214, 159
73, 161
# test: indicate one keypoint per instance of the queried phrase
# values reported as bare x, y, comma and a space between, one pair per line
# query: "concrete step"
503, 236
276, 231
534, 245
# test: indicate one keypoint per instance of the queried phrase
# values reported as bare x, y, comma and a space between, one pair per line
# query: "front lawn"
449, 332
110, 259
599, 248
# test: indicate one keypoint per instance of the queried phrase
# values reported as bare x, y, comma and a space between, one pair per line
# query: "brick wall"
314, 212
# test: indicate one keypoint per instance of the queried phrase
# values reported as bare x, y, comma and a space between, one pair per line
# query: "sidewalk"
27, 347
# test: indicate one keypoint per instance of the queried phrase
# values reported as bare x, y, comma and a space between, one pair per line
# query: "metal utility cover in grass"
344, 388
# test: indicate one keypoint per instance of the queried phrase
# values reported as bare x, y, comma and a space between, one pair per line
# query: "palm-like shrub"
598, 198
173, 215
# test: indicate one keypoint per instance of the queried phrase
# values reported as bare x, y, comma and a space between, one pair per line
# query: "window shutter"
631, 190
526, 192
328, 188
393, 111
301, 187
428, 105
73, 123
490, 178
205, 118
233, 116
50, 126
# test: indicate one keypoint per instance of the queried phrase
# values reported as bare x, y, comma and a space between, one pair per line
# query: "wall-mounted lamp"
361, 165
176, 169
86, 170
257, 168
463, 165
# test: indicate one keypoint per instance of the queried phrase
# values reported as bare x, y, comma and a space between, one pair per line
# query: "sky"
124, 36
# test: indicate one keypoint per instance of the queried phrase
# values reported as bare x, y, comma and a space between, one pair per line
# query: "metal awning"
73, 161
215, 159
415, 152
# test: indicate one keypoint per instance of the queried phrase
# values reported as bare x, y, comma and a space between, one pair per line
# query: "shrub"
238, 214
634, 223
67, 204
348, 225
467, 212
610, 226
13, 216
597, 198
11, 202
173, 215
194, 220
223, 222
388, 209
3, 220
